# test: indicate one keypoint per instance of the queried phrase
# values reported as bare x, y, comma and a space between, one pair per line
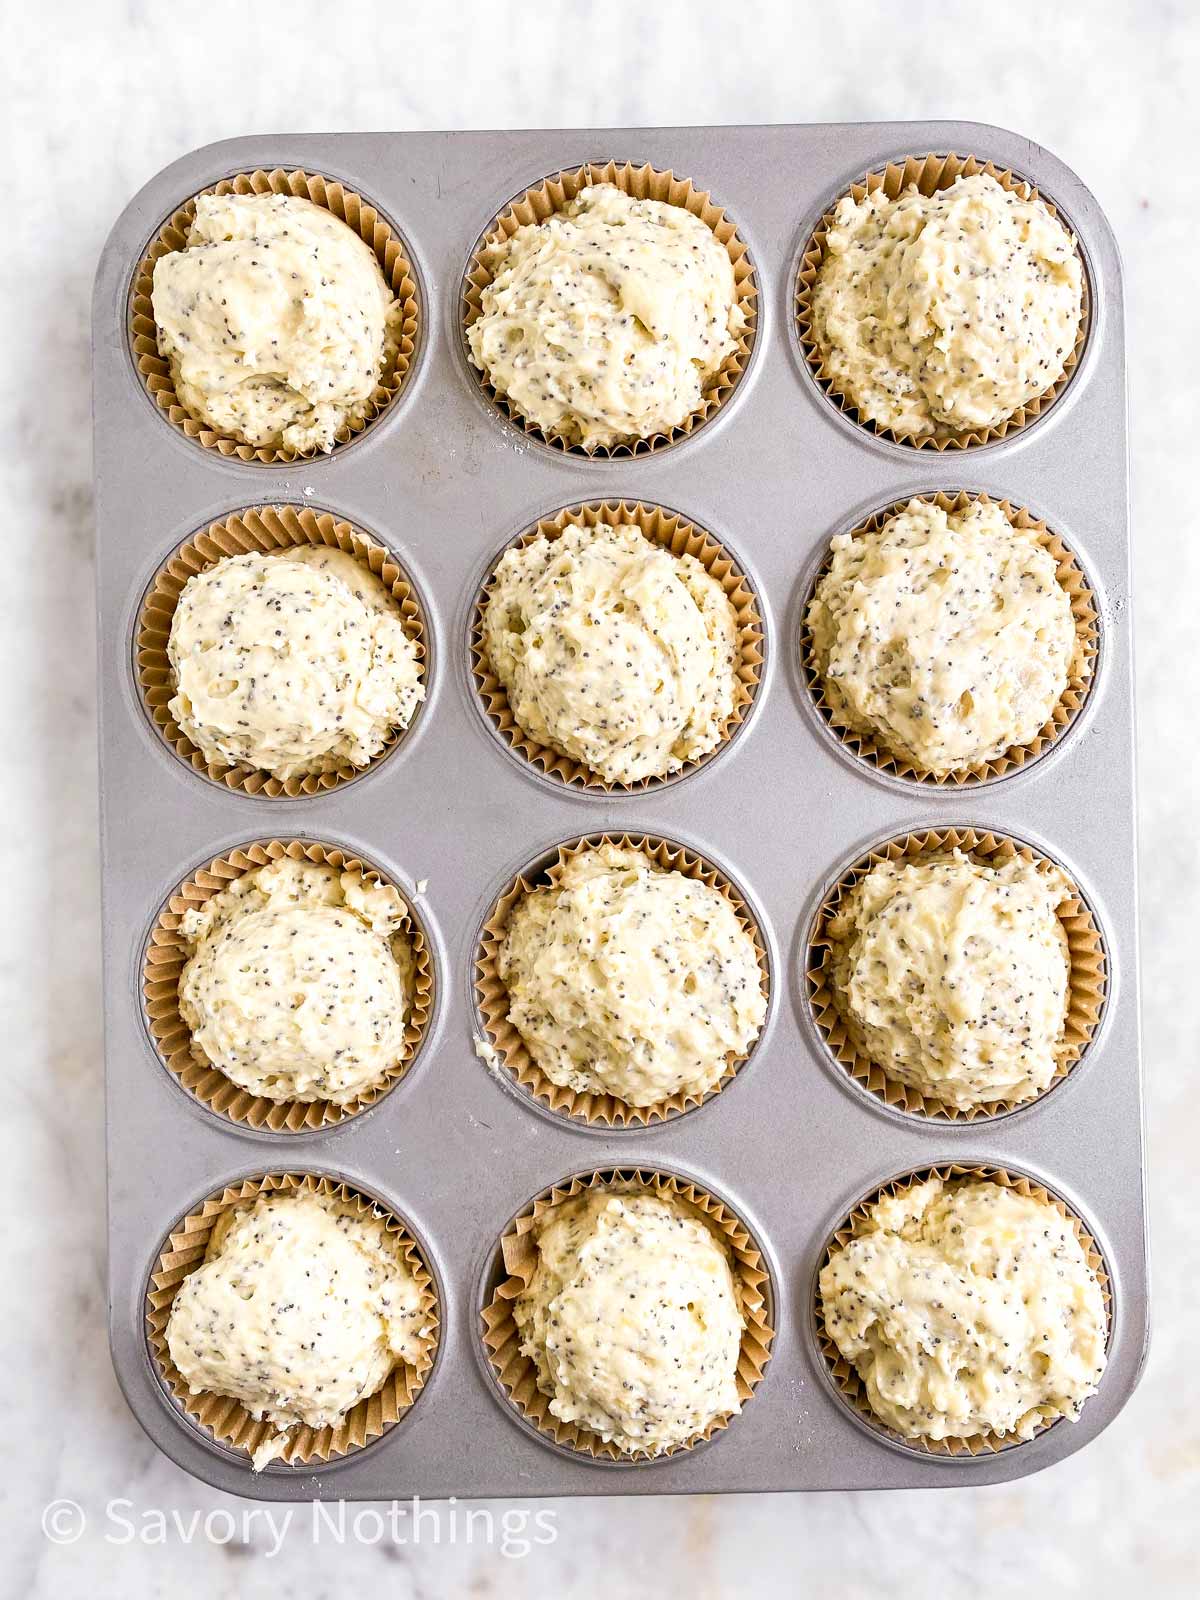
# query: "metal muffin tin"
791, 1144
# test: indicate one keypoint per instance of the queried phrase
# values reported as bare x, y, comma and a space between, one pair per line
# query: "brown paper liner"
1087, 983
516, 1373
225, 1420
642, 183
602, 1110
263, 528
1084, 611
680, 537
929, 174
348, 207
845, 1376
167, 955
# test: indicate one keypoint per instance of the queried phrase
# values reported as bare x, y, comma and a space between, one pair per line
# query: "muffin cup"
361, 217
929, 174
225, 1420
642, 183
259, 528
1084, 613
167, 955
674, 533
506, 1044
516, 1374
1087, 983
844, 1375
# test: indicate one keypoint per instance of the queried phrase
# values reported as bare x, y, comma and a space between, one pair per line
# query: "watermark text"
513, 1531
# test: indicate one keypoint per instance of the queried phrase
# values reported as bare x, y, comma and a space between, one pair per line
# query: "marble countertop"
99, 96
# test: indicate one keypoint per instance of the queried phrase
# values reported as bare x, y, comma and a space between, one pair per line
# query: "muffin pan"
451, 814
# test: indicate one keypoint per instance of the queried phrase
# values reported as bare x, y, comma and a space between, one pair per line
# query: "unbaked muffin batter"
953, 976
967, 1308
292, 662
613, 651
606, 322
275, 319
946, 311
301, 1308
945, 636
632, 1320
299, 981
627, 979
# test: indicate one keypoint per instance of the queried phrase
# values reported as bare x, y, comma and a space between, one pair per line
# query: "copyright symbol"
63, 1521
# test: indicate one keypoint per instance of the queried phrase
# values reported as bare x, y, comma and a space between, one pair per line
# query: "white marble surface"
97, 97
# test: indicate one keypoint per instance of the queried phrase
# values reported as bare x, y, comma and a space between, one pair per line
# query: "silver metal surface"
446, 483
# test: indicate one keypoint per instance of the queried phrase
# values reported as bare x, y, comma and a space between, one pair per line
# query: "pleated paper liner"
600, 1110
845, 1376
167, 954
350, 208
225, 1420
1087, 983
261, 528
516, 1374
929, 174
1084, 612
642, 183
674, 533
